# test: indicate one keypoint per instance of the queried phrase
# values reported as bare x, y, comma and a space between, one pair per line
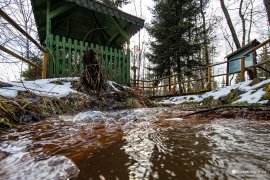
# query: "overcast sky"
11, 71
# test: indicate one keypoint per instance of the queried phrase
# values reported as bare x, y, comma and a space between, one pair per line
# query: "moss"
58, 82
234, 95
133, 103
266, 96
241, 104
254, 82
210, 102
267, 88
6, 123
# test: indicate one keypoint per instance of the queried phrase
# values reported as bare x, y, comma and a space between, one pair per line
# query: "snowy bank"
55, 87
250, 93
42, 87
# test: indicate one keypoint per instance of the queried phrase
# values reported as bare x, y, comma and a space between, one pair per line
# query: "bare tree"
267, 7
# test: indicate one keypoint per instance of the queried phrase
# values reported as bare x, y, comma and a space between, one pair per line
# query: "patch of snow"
182, 99
111, 83
249, 88
251, 98
42, 87
8, 92
264, 102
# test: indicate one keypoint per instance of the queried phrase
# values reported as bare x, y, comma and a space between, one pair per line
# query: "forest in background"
188, 38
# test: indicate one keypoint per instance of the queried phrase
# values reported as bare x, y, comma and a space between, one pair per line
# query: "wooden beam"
266, 70
18, 56
48, 23
115, 36
60, 10
242, 64
45, 65
122, 32
16, 26
99, 26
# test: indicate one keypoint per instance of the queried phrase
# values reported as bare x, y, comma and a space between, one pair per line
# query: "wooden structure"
150, 88
68, 27
234, 60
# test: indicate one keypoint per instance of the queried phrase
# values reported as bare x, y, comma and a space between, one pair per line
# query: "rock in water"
89, 116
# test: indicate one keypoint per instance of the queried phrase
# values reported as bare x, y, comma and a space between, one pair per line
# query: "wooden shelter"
68, 27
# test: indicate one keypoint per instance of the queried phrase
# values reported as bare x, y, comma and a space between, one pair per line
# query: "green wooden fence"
66, 56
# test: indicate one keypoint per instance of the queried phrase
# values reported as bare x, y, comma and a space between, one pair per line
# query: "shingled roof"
86, 20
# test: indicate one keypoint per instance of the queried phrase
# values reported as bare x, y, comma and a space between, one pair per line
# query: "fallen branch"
224, 107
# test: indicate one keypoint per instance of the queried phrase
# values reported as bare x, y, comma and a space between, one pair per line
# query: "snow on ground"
42, 87
45, 87
251, 95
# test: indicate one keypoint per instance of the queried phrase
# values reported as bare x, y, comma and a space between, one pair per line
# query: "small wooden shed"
233, 59
68, 27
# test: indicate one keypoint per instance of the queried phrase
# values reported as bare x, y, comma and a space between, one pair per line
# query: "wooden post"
209, 84
227, 74
45, 65
174, 84
153, 87
254, 58
143, 86
242, 77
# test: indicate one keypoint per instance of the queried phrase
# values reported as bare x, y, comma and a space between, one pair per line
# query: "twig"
29, 89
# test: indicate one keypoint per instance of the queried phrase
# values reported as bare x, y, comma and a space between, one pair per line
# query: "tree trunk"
267, 7
242, 17
250, 20
230, 24
205, 44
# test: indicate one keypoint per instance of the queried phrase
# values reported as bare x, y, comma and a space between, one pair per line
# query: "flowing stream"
137, 144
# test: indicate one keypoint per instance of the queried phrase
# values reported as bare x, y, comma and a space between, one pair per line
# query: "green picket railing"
66, 57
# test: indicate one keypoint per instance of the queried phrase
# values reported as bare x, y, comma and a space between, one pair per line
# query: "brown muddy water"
137, 144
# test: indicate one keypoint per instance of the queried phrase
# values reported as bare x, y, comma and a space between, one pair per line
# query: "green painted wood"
92, 46
64, 70
102, 65
60, 10
86, 45
75, 62
111, 64
124, 69
52, 59
57, 57
115, 63
69, 57
97, 51
106, 61
128, 68
48, 21
82, 48
119, 66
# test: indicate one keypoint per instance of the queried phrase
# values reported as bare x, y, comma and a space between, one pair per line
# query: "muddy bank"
29, 107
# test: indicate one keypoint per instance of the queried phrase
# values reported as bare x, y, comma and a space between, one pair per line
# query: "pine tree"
177, 36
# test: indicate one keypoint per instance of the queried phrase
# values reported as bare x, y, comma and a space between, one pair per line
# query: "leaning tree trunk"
230, 24
267, 7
